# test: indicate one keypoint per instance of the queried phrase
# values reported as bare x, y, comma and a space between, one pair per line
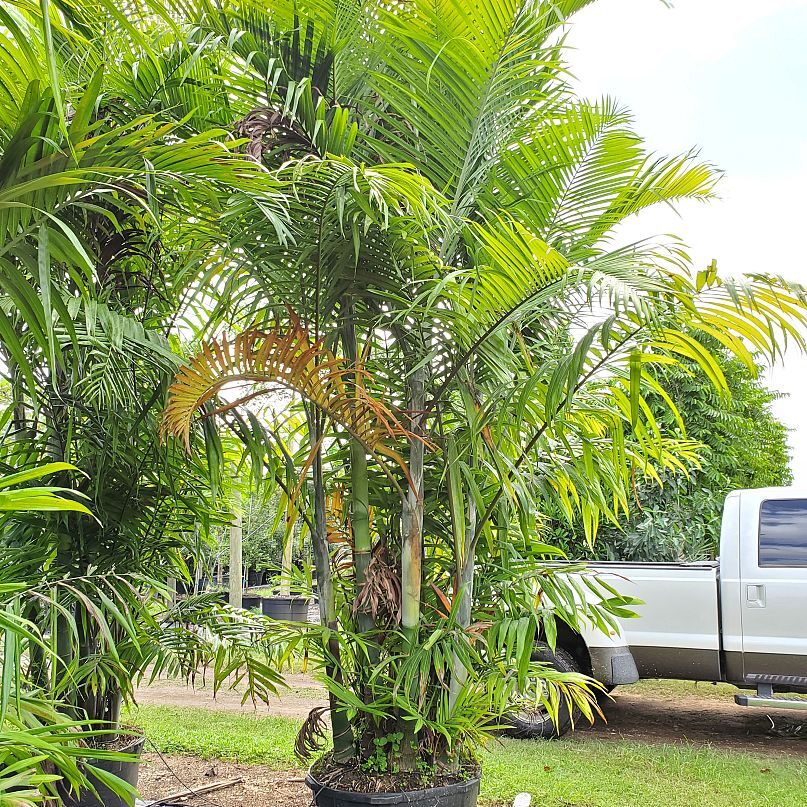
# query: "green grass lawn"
625, 774
566, 773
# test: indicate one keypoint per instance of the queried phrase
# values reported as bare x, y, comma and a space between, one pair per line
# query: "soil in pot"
127, 771
349, 786
289, 609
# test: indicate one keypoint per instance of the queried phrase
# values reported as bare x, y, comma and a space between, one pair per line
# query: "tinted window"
783, 533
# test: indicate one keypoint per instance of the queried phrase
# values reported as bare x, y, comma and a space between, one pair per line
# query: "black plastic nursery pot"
251, 602
289, 609
128, 771
461, 794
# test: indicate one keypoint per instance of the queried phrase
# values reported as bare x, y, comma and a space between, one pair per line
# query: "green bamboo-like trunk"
412, 547
360, 520
343, 747
285, 564
359, 482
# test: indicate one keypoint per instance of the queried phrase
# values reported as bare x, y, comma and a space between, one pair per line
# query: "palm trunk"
285, 564
412, 548
64, 637
412, 515
464, 589
343, 748
236, 556
360, 520
359, 484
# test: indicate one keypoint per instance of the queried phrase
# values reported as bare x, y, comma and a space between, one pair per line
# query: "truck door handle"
755, 596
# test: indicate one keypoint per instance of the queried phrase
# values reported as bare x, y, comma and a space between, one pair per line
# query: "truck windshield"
783, 532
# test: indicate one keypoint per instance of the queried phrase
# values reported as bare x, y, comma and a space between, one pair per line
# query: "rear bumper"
613, 666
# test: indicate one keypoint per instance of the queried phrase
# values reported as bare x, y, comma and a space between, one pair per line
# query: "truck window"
783, 532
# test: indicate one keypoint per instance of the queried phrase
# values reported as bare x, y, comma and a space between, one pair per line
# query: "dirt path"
161, 776
301, 697
700, 721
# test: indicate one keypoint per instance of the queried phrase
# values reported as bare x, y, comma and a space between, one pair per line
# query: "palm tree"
107, 223
408, 220
464, 334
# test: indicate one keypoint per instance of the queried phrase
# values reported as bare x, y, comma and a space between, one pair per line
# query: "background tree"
744, 445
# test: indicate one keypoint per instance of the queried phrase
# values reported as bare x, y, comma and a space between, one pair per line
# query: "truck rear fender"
605, 657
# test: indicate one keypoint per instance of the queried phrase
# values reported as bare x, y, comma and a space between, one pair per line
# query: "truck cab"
763, 589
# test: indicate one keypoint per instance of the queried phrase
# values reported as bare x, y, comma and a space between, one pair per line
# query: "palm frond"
287, 358
575, 174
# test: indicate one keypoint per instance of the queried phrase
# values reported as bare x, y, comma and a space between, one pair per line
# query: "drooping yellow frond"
288, 358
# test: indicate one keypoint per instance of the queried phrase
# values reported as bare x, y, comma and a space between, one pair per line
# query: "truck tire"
536, 724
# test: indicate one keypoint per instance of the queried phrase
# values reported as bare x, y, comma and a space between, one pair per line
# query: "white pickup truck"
741, 619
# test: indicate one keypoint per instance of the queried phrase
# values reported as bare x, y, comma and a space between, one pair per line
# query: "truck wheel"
536, 724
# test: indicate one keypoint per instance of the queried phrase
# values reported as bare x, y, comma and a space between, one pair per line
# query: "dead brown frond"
380, 595
269, 129
288, 358
313, 734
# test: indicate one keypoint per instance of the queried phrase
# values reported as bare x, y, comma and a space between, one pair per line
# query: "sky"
728, 77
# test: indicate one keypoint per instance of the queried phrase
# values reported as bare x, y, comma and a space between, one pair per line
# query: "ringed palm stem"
359, 483
412, 546
343, 745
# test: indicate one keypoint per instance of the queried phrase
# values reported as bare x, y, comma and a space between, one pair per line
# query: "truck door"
773, 587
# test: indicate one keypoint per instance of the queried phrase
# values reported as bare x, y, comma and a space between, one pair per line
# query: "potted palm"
287, 595
35, 737
466, 345
96, 260
275, 545
46, 751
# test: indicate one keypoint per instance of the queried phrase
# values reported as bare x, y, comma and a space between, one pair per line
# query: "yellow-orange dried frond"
337, 523
288, 358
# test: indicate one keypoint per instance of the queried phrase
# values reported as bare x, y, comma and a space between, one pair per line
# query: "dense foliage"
99, 254
403, 218
743, 446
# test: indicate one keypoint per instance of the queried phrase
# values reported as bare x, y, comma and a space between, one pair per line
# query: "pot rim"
290, 597
134, 747
317, 787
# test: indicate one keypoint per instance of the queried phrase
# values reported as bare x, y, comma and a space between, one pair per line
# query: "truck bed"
678, 635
